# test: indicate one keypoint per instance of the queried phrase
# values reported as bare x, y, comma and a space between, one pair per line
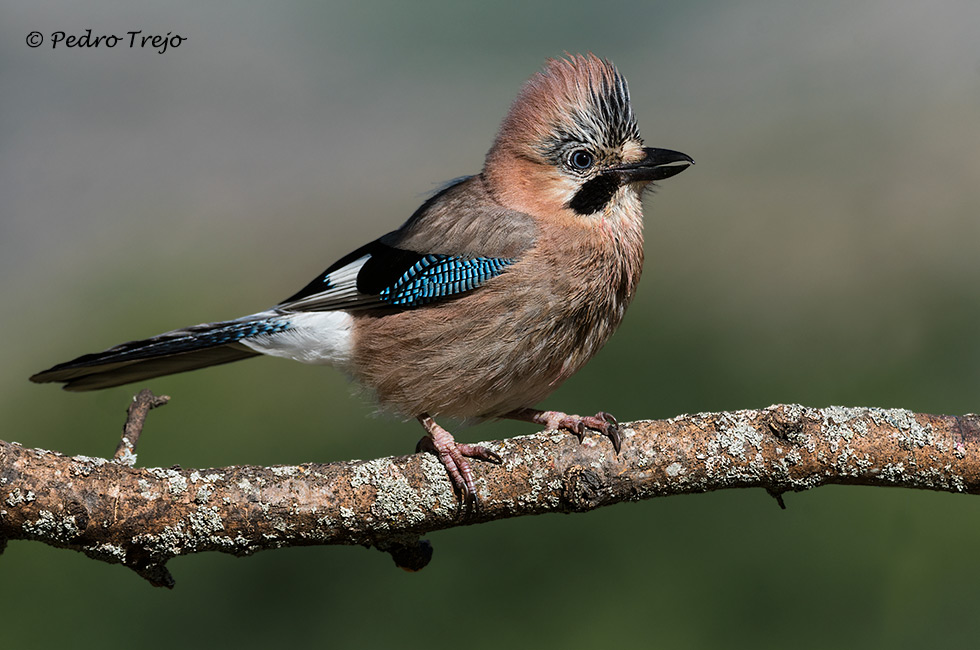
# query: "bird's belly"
464, 359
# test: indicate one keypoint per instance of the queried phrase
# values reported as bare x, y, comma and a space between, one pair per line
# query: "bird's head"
570, 145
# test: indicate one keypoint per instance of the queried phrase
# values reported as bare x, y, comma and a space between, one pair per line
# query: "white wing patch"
340, 292
319, 337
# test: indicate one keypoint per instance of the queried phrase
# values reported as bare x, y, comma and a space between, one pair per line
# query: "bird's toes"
611, 429
573, 424
453, 456
602, 422
478, 452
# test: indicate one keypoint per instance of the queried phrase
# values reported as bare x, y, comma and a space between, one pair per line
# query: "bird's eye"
581, 159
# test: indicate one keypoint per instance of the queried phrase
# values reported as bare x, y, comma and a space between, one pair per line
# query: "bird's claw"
602, 422
453, 456
573, 424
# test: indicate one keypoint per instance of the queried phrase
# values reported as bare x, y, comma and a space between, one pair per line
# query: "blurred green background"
824, 250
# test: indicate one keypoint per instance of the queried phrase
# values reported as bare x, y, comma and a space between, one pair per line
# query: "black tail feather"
94, 377
190, 348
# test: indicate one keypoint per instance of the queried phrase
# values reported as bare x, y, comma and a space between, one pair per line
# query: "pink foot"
453, 456
602, 422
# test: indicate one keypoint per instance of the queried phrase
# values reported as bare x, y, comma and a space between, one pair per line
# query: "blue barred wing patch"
438, 276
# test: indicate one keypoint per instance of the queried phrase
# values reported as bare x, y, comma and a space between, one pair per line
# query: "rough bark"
143, 517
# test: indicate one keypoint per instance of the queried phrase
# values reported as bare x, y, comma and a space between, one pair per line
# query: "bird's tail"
185, 349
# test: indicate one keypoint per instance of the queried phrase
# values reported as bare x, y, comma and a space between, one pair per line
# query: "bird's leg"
602, 422
453, 456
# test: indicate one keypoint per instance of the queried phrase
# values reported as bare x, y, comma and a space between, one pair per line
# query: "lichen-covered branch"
143, 517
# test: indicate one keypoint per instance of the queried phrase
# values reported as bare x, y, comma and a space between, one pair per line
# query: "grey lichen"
395, 500
85, 465
15, 498
177, 484
146, 490
167, 544
90, 460
244, 485
112, 553
674, 469
737, 433
126, 456
835, 428
916, 434
203, 494
206, 521
61, 529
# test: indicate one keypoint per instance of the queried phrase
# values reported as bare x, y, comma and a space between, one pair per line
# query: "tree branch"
143, 517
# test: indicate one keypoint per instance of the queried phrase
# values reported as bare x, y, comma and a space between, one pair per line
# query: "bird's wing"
378, 275
458, 240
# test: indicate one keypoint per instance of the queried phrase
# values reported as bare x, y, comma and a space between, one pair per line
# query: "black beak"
658, 165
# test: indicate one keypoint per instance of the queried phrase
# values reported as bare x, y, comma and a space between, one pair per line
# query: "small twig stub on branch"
135, 419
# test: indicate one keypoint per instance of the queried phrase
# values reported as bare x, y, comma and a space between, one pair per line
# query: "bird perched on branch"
493, 293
